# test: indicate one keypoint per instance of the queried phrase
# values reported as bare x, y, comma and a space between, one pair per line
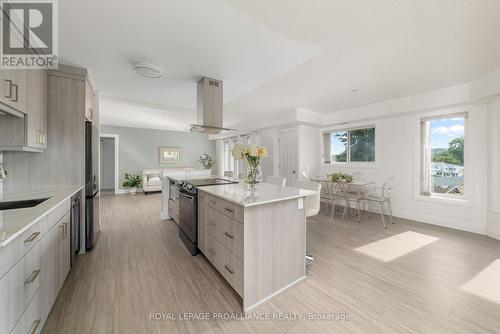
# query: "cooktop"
207, 182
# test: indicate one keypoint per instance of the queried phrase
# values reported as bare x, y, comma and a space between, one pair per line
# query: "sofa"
151, 178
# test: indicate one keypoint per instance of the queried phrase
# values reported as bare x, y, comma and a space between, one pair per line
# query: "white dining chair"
382, 196
312, 205
277, 180
228, 173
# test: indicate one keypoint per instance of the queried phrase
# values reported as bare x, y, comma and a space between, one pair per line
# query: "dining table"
347, 188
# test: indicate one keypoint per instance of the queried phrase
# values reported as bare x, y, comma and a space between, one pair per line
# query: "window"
353, 145
443, 155
229, 164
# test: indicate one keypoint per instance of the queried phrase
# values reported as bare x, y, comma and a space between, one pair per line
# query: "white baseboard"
121, 191
493, 232
433, 220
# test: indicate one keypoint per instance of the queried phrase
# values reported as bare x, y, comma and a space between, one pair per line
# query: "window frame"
444, 197
348, 155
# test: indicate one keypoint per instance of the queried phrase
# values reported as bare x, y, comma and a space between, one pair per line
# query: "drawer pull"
228, 269
9, 95
65, 229
15, 99
32, 277
34, 326
229, 210
32, 237
230, 236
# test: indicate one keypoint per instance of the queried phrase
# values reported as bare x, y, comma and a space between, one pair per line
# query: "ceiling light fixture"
148, 70
354, 90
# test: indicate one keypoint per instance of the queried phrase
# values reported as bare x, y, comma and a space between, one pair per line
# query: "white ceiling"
276, 55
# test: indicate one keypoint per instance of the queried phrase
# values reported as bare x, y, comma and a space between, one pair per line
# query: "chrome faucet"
3, 172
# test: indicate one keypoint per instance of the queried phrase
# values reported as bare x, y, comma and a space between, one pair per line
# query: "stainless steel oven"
188, 209
188, 220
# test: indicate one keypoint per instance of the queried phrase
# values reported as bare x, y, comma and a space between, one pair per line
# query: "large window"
352, 145
443, 155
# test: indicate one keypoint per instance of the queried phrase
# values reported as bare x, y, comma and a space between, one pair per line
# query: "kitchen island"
257, 242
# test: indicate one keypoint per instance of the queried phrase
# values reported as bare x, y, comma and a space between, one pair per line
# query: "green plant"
131, 181
340, 177
207, 161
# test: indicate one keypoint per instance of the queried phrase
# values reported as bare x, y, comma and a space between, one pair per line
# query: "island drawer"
227, 208
18, 287
58, 212
12, 252
213, 252
231, 269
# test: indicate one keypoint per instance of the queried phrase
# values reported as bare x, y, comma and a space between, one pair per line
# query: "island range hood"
209, 107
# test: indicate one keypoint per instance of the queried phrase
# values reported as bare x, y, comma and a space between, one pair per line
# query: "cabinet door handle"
65, 229
15, 99
228, 269
229, 210
32, 276
9, 95
39, 137
230, 236
34, 326
32, 237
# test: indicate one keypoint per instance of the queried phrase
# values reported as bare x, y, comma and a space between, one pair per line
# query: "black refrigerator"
91, 189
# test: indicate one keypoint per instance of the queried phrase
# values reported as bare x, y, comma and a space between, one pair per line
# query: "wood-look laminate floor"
140, 267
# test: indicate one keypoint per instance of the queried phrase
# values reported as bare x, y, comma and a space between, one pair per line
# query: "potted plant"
206, 161
252, 155
131, 182
341, 177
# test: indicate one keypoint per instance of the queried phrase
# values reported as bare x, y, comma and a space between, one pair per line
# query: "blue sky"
445, 130
336, 146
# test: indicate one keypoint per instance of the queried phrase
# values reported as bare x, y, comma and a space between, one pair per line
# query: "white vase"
133, 190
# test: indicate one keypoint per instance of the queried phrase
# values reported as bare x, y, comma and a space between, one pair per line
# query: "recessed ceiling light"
148, 70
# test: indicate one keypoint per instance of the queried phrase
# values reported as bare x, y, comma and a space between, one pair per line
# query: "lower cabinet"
220, 238
30, 287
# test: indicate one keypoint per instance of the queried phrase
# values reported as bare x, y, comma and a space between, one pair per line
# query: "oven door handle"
186, 196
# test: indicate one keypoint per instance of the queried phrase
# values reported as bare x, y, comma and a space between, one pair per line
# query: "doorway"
109, 164
288, 147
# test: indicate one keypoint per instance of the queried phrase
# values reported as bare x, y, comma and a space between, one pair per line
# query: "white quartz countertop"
14, 222
265, 193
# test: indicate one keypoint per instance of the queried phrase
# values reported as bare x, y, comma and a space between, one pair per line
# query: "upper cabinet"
36, 118
14, 89
24, 97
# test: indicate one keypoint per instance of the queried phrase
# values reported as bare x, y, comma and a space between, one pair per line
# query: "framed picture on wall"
170, 155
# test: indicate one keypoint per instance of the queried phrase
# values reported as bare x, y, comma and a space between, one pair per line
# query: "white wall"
308, 151
397, 144
493, 225
107, 163
268, 139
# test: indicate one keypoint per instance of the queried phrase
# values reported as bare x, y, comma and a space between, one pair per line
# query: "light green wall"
139, 148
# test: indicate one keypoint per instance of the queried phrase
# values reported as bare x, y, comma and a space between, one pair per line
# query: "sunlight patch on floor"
393, 247
486, 284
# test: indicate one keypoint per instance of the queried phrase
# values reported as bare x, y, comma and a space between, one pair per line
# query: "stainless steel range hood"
209, 107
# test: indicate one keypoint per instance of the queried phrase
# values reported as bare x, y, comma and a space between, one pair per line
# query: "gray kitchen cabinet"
36, 118
29, 132
14, 89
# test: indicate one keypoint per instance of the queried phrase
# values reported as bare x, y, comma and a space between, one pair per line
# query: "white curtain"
220, 157
425, 179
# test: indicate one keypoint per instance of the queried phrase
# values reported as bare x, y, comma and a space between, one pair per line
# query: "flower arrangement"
206, 161
341, 177
252, 155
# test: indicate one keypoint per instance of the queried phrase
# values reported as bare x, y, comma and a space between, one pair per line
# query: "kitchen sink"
29, 203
